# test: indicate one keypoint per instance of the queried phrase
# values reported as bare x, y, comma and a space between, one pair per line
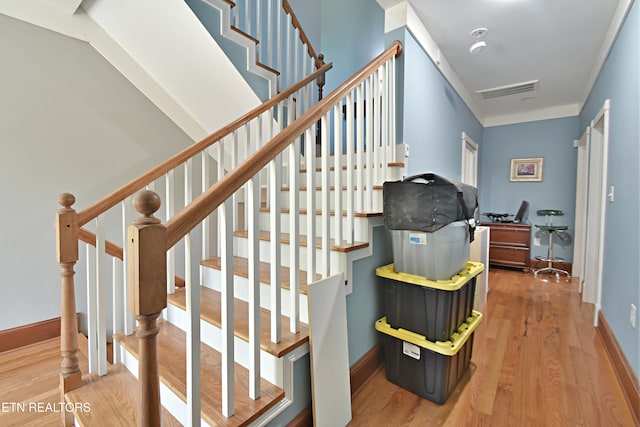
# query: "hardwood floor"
537, 361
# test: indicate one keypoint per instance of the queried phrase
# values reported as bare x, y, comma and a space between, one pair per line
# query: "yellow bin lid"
446, 348
452, 284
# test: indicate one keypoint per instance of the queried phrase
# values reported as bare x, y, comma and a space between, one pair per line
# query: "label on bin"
417, 238
411, 350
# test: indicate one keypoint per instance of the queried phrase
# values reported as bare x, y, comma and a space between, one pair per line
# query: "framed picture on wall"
526, 169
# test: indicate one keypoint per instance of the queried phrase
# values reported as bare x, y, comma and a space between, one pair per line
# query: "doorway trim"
596, 208
582, 188
469, 173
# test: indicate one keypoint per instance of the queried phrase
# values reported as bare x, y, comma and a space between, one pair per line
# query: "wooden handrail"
190, 216
110, 248
127, 190
303, 36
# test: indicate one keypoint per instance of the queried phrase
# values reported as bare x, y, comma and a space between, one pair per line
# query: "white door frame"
582, 190
469, 174
596, 208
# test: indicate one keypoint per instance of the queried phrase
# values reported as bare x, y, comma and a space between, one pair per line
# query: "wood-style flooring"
537, 361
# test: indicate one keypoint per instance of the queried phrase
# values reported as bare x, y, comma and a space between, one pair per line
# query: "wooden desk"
509, 244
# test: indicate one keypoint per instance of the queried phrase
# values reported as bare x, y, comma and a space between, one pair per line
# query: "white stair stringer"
225, 26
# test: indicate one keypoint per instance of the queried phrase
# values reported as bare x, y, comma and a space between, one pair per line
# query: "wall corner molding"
30, 334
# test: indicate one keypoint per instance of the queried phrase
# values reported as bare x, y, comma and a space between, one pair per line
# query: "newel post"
67, 255
320, 81
147, 291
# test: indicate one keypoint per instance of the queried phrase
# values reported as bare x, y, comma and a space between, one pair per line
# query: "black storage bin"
430, 370
433, 308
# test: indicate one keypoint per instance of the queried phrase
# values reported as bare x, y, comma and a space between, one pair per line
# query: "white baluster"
275, 184
127, 218
393, 109
385, 126
294, 236
247, 17
288, 51
310, 157
349, 229
193, 345
359, 149
368, 195
279, 13
101, 301
170, 211
227, 277
118, 305
253, 206
325, 196
270, 20
337, 170
206, 223
296, 55
92, 311
376, 126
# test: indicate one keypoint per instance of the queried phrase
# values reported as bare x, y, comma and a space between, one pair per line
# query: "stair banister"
67, 255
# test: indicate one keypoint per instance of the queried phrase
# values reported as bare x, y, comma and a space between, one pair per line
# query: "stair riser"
211, 279
270, 366
376, 197
337, 259
360, 231
392, 174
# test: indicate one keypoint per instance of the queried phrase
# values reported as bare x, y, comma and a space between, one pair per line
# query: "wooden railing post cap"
147, 203
66, 200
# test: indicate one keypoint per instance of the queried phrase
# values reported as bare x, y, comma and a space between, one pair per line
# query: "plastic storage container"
431, 370
433, 308
437, 255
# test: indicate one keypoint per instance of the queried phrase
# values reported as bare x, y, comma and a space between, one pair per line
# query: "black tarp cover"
428, 202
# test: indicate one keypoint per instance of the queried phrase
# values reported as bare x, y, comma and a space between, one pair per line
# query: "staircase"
208, 294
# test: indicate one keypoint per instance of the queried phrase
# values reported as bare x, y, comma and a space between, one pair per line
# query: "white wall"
69, 122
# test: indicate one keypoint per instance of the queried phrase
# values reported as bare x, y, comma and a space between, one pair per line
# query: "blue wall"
433, 115
352, 34
618, 81
550, 139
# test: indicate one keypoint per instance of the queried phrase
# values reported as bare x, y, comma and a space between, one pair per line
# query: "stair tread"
285, 239
210, 303
113, 399
332, 212
332, 188
241, 268
172, 367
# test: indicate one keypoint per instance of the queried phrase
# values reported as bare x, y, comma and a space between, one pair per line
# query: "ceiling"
560, 43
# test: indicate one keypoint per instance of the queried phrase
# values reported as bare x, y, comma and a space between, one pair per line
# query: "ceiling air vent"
513, 89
